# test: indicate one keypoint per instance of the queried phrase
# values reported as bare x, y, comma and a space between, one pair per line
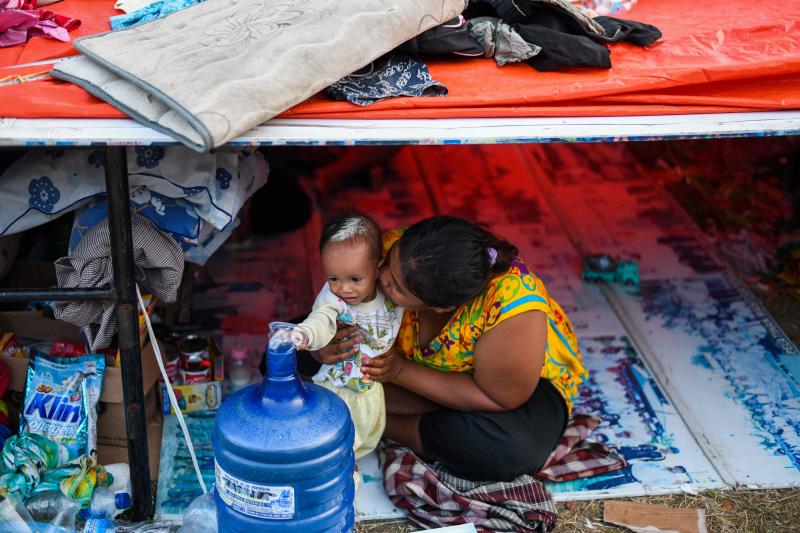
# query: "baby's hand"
299, 339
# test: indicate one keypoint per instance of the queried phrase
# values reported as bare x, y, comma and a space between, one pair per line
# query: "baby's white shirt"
379, 320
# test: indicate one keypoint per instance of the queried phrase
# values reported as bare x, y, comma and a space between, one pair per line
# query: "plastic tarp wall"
715, 56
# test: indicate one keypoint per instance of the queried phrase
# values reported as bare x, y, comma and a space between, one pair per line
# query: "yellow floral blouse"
506, 295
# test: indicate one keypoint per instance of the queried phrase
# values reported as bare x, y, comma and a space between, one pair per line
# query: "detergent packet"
61, 395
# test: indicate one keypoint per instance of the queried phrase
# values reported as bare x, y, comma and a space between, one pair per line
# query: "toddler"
351, 253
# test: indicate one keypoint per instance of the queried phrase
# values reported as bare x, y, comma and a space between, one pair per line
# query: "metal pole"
26, 295
119, 218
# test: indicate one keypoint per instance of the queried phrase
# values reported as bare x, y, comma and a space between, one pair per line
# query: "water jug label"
260, 501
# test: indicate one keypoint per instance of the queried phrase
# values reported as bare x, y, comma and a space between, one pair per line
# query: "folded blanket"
207, 74
433, 497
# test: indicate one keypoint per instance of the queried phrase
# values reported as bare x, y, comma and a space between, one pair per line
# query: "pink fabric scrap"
20, 20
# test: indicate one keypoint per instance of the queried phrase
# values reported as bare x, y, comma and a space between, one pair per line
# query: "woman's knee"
502, 460
485, 447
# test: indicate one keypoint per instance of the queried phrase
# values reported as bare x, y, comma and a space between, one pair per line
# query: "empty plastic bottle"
64, 521
201, 515
44, 506
55, 509
107, 504
122, 477
107, 525
14, 517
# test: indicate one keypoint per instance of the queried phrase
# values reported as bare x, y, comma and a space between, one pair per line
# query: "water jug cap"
122, 500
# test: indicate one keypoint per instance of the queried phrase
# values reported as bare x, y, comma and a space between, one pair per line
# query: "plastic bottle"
238, 369
106, 525
201, 515
55, 509
44, 506
14, 517
122, 478
283, 452
107, 504
64, 520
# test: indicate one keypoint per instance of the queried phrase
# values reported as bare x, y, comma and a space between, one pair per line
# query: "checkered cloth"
575, 457
433, 497
157, 263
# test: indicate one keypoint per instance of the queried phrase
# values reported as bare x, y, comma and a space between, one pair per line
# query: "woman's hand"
384, 369
340, 348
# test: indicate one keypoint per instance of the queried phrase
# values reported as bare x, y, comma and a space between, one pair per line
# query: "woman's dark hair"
353, 227
446, 260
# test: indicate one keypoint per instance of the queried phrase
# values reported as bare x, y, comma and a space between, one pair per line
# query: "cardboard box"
34, 325
194, 397
110, 452
111, 422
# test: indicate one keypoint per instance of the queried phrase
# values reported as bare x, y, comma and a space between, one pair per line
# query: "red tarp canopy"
715, 56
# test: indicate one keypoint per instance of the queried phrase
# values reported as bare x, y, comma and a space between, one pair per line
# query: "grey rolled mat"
211, 72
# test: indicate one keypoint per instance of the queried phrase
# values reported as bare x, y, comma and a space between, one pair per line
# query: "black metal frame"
123, 294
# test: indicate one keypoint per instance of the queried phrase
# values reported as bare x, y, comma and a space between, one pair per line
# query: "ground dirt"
736, 511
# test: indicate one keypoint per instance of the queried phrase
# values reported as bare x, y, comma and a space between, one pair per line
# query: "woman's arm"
344, 344
508, 361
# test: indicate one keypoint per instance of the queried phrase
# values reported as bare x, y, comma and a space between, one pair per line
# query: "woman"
486, 365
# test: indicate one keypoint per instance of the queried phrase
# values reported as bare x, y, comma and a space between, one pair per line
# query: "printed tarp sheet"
728, 417
715, 56
732, 374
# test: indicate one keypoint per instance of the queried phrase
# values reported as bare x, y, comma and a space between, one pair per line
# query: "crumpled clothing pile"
21, 19
32, 464
552, 34
546, 34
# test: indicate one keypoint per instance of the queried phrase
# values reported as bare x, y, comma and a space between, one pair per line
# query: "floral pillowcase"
181, 191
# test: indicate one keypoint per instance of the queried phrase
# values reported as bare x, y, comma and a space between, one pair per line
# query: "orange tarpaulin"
715, 56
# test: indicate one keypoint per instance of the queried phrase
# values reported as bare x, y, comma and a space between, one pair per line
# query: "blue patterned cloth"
154, 11
194, 197
171, 215
390, 76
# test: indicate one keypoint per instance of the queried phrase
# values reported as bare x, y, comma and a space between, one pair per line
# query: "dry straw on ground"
742, 511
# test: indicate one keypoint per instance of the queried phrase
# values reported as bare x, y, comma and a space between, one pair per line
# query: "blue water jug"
283, 452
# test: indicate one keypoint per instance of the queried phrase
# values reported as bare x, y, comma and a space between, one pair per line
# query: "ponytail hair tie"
492, 256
